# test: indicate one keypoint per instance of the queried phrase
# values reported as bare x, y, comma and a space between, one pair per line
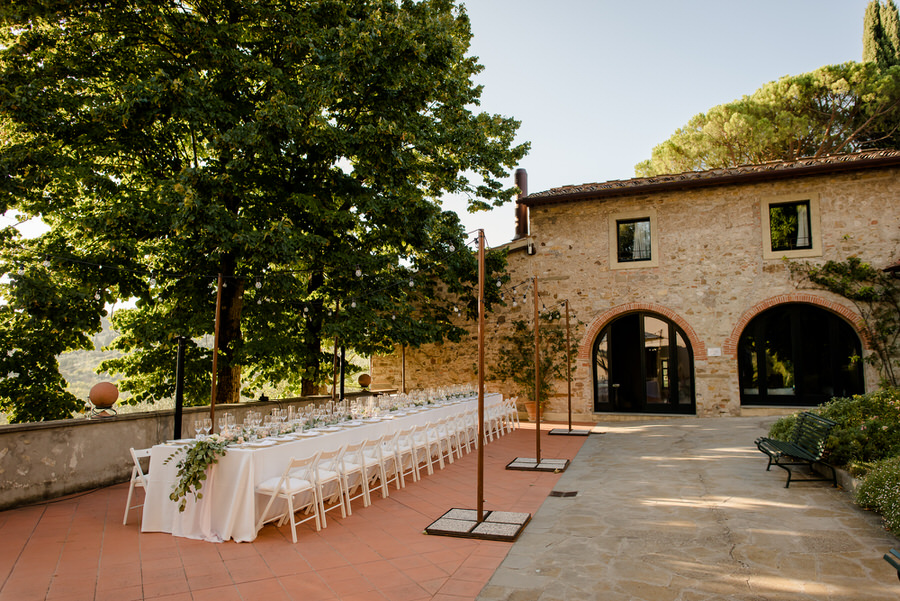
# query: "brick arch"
599, 322
852, 318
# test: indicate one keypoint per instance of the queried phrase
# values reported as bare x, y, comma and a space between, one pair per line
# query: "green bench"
805, 447
893, 558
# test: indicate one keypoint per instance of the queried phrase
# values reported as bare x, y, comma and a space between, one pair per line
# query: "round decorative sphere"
104, 395
364, 380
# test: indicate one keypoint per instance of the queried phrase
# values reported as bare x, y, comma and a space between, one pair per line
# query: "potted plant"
516, 359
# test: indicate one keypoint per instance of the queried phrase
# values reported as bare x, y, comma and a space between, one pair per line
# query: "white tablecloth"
228, 508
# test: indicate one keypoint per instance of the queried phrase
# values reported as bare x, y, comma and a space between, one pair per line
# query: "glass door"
643, 364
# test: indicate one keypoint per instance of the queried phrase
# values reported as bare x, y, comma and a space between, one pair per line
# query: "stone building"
684, 289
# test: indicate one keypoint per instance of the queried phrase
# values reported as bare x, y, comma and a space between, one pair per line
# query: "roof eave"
773, 174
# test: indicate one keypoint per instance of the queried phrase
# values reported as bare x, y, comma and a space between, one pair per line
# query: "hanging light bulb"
258, 284
358, 272
499, 283
305, 309
394, 317
411, 283
353, 304
46, 263
452, 248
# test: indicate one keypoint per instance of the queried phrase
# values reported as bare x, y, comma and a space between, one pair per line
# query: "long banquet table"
229, 508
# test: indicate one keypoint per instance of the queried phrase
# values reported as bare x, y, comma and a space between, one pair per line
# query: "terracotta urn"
364, 380
104, 395
531, 410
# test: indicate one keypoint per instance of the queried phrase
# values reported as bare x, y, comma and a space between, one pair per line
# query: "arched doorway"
797, 354
643, 363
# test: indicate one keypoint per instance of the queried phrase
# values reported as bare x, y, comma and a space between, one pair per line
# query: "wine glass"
207, 426
223, 424
198, 428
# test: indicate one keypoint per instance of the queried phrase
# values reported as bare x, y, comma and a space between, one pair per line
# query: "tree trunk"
228, 378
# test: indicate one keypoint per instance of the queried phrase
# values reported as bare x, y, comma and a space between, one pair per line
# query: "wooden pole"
537, 374
334, 359
480, 440
403, 368
568, 365
212, 403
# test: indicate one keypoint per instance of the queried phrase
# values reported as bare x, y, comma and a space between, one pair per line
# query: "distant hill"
79, 367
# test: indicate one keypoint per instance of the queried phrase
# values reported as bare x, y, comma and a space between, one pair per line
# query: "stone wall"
711, 277
44, 460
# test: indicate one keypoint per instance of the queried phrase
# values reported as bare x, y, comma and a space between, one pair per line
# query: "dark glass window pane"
633, 240
790, 226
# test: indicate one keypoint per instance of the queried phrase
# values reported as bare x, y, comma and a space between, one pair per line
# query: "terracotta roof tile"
713, 177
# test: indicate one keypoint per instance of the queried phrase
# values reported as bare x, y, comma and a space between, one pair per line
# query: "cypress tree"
881, 33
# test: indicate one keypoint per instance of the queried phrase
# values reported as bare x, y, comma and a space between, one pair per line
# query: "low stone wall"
45, 460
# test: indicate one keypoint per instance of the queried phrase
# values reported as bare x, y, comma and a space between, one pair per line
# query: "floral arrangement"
193, 465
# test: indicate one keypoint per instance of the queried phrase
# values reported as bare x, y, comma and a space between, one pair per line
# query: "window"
790, 227
798, 355
633, 240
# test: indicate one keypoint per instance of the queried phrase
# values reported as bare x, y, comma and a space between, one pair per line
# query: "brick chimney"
521, 210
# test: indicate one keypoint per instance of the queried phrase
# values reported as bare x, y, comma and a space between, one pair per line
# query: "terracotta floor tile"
462, 588
406, 592
248, 569
218, 593
77, 549
433, 586
129, 593
263, 590
351, 586
307, 587
365, 596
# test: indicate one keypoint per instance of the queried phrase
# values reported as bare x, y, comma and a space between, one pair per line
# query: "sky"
597, 84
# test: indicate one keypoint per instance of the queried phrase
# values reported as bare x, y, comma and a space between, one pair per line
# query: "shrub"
868, 429
880, 491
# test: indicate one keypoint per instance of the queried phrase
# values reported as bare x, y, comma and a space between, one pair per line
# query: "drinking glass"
198, 428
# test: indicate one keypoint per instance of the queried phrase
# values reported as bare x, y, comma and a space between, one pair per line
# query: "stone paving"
684, 510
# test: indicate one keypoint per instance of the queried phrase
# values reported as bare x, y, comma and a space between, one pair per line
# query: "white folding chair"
513, 412
462, 433
405, 457
139, 478
378, 455
329, 483
354, 474
444, 438
425, 448
297, 486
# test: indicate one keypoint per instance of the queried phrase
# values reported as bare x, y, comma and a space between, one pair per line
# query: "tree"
515, 362
834, 109
284, 147
881, 34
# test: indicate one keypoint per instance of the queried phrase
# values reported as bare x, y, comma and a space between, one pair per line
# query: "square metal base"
463, 523
530, 464
567, 432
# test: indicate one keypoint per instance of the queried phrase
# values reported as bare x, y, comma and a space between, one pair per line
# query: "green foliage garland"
193, 467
